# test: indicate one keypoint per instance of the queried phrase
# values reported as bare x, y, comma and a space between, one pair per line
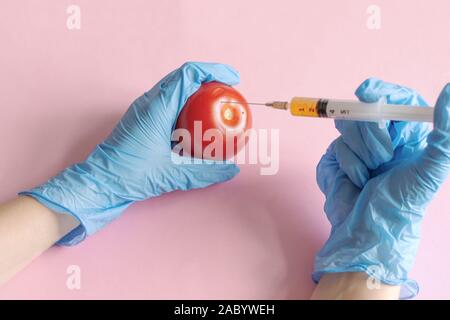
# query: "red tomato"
229, 121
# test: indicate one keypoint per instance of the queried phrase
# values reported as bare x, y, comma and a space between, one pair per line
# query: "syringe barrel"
359, 111
406, 113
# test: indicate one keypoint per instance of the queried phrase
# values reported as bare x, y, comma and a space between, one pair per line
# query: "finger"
190, 175
178, 86
373, 89
340, 199
340, 157
340, 191
351, 164
327, 169
434, 165
368, 141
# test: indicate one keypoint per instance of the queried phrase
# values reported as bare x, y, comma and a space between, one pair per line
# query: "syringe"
350, 109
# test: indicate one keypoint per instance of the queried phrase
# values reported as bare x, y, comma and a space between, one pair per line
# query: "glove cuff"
62, 194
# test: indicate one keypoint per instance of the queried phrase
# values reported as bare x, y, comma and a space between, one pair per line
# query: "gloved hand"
377, 184
136, 162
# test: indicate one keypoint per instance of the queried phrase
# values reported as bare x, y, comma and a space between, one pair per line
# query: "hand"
377, 184
136, 161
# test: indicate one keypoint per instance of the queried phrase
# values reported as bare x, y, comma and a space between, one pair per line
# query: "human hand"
135, 162
377, 184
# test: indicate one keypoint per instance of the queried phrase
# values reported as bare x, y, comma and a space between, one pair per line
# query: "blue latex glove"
135, 162
377, 184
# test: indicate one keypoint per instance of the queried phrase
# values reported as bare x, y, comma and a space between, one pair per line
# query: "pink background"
62, 91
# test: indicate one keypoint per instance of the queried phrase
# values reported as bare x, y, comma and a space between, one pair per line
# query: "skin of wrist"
353, 285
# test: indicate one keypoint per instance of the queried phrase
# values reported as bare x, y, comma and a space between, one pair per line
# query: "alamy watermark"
374, 19
73, 281
73, 21
262, 148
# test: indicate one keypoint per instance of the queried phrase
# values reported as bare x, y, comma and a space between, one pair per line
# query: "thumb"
434, 165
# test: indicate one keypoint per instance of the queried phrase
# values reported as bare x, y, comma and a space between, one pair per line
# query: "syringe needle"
266, 104
259, 104
274, 104
252, 103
